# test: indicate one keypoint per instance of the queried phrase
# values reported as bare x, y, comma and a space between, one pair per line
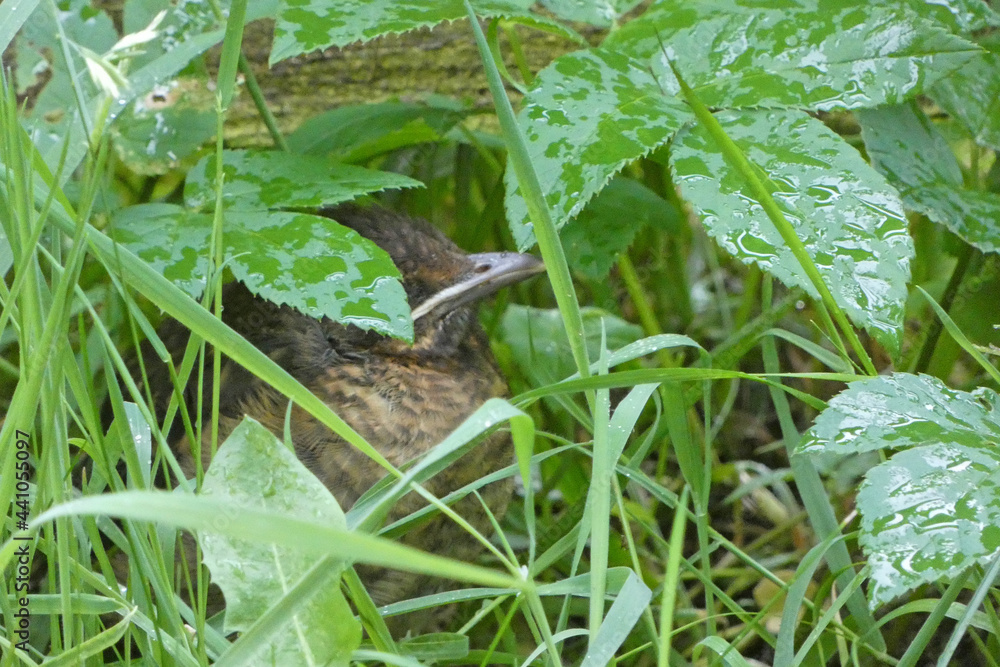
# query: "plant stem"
545, 230
947, 301
257, 95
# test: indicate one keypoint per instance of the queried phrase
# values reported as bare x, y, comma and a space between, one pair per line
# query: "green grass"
666, 512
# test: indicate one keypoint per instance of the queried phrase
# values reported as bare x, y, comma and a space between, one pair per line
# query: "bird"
403, 398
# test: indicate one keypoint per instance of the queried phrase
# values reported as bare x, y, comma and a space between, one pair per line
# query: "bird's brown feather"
403, 399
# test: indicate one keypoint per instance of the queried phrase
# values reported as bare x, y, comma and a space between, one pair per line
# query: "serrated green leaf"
319, 268
803, 53
356, 133
929, 514
595, 238
906, 148
308, 262
589, 113
307, 25
902, 410
170, 239
256, 180
931, 511
253, 469
972, 95
850, 220
965, 16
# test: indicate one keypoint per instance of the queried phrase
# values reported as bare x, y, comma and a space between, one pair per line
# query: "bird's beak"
490, 272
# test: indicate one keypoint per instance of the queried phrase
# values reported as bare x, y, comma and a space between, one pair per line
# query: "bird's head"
442, 282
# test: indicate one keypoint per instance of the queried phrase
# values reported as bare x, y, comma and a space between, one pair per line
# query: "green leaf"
729, 654
928, 515
263, 526
437, 646
356, 133
849, 219
931, 511
904, 145
971, 95
257, 180
307, 25
621, 618
55, 117
187, 30
589, 113
804, 53
964, 16
6, 253
374, 505
537, 339
253, 469
319, 268
308, 262
184, 21
168, 238
13, 15
158, 131
595, 238
602, 13
899, 411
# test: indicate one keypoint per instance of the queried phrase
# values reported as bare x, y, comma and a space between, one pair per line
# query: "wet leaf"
253, 469
804, 53
172, 240
971, 95
166, 126
906, 148
589, 113
964, 16
183, 22
900, 411
621, 618
319, 268
849, 219
308, 262
256, 180
933, 510
307, 25
929, 514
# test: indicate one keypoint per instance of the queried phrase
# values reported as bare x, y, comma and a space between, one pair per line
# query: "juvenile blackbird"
402, 398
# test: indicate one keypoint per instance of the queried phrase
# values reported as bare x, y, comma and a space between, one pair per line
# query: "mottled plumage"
401, 398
